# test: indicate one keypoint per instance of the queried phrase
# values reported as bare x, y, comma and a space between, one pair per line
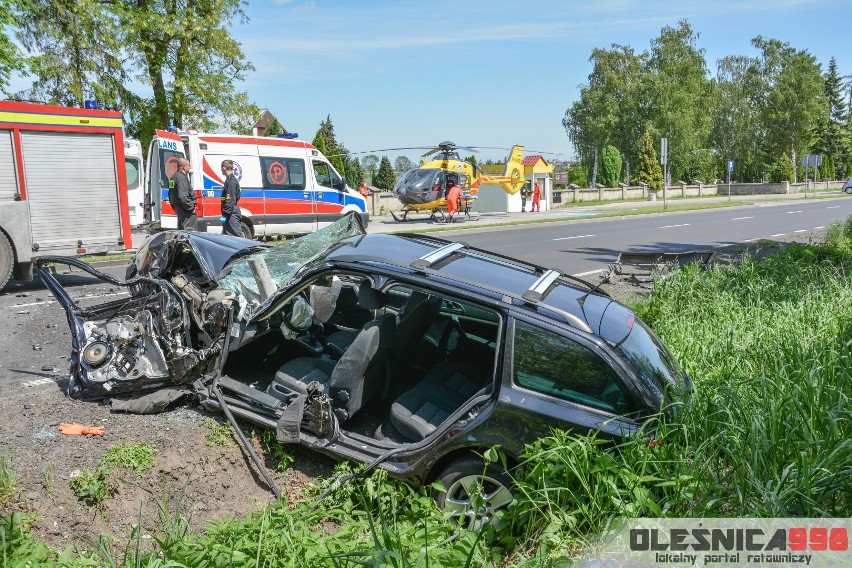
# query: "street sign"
664, 150
730, 165
811, 160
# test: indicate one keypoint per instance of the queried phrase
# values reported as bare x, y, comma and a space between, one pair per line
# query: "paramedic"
453, 192
364, 190
536, 204
182, 197
231, 222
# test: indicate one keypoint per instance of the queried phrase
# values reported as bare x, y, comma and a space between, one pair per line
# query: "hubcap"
476, 498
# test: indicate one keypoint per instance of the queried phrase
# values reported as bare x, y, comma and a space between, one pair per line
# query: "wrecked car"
405, 351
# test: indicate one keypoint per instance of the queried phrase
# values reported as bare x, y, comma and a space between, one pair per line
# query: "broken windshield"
284, 261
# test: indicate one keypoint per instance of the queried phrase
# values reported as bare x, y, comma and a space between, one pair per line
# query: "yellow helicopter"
424, 189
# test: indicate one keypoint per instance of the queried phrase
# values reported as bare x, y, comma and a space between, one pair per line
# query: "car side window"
283, 173
554, 365
323, 174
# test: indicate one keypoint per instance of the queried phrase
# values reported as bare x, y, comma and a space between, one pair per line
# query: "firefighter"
453, 193
182, 197
536, 204
231, 221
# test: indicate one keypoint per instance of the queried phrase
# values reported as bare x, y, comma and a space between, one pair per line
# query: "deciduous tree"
402, 164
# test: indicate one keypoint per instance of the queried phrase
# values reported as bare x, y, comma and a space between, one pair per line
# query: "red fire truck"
63, 186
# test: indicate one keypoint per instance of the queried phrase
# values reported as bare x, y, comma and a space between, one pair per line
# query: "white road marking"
589, 272
791, 212
801, 231
751, 240
777, 235
833, 207
577, 237
674, 226
741, 218
820, 227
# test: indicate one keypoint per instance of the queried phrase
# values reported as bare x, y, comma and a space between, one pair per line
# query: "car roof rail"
436, 255
538, 291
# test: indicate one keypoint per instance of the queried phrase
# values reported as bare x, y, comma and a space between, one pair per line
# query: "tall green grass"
767, 434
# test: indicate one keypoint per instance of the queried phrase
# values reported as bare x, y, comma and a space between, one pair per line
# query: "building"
266, 120
493, 199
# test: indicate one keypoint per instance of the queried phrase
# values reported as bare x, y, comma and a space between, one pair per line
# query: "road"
587, 247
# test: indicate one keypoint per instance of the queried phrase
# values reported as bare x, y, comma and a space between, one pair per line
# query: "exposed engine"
123, 348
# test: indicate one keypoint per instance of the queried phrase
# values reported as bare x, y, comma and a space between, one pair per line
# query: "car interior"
396, 362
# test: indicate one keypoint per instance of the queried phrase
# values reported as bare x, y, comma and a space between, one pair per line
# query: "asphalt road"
588, 246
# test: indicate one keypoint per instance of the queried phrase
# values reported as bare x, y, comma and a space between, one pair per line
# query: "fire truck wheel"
247, 234
7, 260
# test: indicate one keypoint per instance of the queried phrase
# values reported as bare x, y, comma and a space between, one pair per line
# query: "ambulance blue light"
289, 135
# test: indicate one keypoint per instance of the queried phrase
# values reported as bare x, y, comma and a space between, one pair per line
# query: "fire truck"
63, 184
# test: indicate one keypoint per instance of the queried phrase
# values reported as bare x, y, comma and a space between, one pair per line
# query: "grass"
768, 434
220, 434
96, 485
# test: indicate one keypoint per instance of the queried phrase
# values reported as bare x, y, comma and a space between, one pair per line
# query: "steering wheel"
452, 326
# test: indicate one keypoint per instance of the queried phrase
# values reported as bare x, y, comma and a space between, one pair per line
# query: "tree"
679, 94
385, 179
402, 164
833, 138
369, 163
354, 174
11, 58
735, 131
782, 168
182, 51
794, 103
648, 169
274, 128
610, 166
334, 151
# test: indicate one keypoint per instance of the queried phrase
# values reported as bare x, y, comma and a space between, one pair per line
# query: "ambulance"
287, 186
135, 173
63, 184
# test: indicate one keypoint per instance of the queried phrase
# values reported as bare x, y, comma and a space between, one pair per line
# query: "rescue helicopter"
424, 189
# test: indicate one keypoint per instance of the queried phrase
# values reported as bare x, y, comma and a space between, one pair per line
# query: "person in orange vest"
453, 193
364, 190
536, 204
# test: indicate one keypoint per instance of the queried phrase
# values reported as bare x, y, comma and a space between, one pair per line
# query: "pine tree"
648, 169
333, 150
274, 128
782, 169
385, 179
833, 140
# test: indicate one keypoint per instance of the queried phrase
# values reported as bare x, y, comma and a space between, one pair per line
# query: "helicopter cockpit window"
419, 181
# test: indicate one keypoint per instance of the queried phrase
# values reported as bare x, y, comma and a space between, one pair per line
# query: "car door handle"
305, 195
319, 195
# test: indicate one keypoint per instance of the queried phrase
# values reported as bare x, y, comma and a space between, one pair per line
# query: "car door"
288, 196
557, 379
328, 193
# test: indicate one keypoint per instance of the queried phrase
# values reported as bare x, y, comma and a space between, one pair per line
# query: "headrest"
369, 298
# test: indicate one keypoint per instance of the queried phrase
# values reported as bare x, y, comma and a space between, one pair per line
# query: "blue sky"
484, 72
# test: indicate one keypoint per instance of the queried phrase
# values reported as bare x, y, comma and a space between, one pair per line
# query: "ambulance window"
283, 173
322, 173
132, 166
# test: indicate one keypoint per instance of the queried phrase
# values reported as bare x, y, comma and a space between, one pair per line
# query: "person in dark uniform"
182, 198
231, 220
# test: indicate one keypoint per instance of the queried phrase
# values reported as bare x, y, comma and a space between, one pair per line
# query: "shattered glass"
284, 262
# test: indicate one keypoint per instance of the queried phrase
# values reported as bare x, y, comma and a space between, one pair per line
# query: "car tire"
848, 190
460, 477
7, 260
247, 232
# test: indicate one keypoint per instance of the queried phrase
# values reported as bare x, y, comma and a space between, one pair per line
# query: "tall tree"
735, 130
274, 128
181, 49
833, 137
679, 94
793, 103
385, 179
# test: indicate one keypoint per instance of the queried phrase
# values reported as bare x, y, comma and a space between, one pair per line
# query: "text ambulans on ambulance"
287, 186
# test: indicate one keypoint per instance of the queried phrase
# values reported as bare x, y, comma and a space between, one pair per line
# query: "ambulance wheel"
7, 260
247, 233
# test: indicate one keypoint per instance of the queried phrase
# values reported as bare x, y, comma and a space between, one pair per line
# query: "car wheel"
247, 232
848, 190
7, 260
474, 492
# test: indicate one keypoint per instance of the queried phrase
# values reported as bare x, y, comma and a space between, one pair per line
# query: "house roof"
533, 159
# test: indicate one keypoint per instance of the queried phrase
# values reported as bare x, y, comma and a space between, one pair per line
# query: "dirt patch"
202, 483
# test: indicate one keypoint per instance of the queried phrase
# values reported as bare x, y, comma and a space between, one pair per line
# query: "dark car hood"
157, 256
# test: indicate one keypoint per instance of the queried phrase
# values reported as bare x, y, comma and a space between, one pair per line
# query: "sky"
487, 73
